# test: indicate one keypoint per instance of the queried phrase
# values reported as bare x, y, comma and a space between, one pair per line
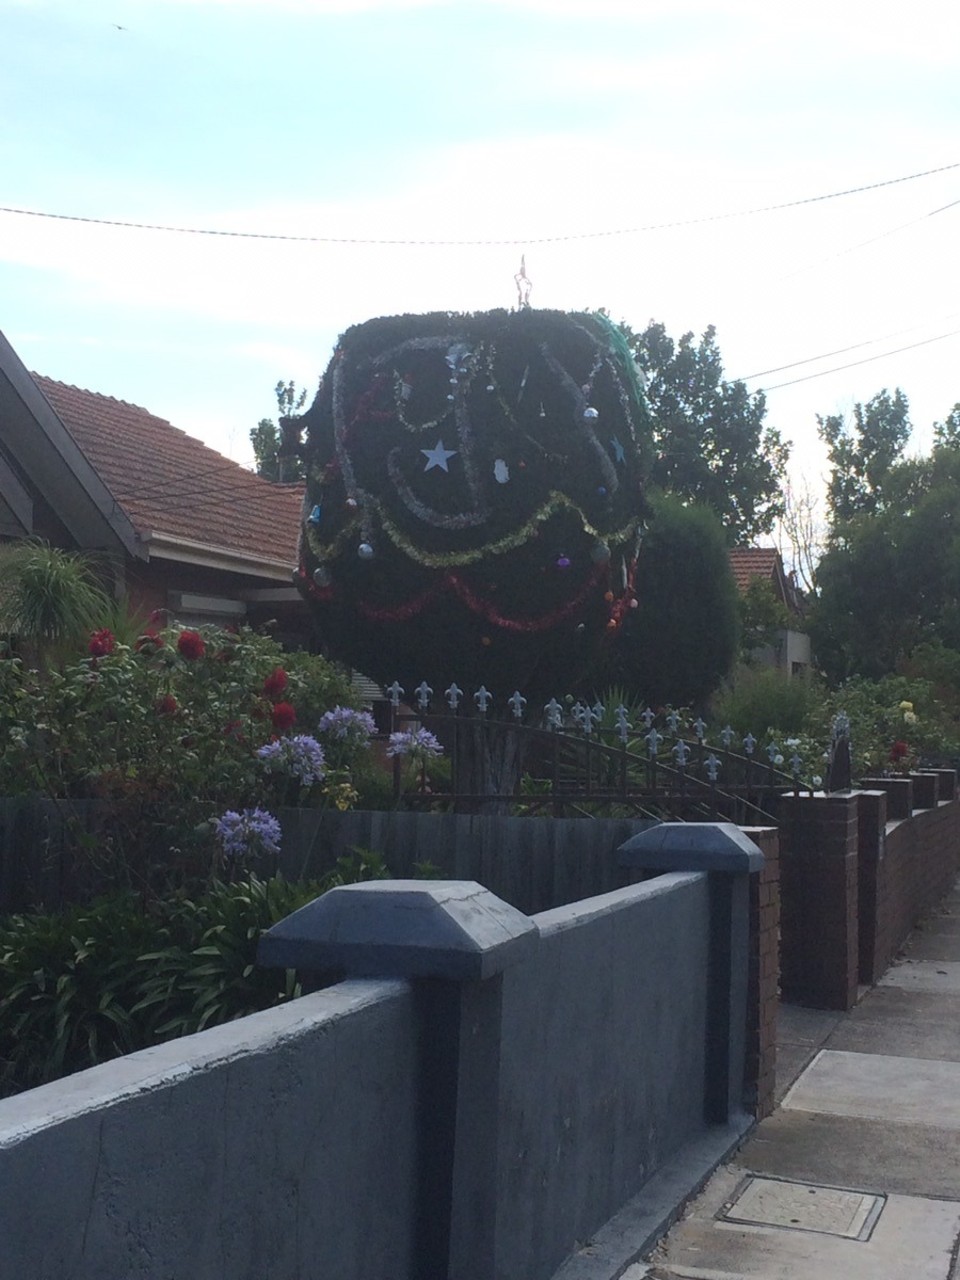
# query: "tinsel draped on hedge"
474, 499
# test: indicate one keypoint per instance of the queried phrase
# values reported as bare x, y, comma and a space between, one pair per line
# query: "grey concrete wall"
279, 1146
603, 1063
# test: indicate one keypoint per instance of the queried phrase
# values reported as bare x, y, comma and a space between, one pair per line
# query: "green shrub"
120, 974
759, 699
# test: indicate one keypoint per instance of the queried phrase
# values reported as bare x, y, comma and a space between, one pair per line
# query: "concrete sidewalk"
857, 1174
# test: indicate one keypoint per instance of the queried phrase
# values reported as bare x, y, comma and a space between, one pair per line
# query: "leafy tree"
890, 580
711, 443
682, 641
862, 456
762, 616
276, 448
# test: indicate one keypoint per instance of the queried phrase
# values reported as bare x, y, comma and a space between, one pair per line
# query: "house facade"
174, 525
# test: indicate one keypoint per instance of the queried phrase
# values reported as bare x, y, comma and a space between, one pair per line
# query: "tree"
801, 534
682, 641
711, 444
863, 456
276, 450
474, 502
890, 579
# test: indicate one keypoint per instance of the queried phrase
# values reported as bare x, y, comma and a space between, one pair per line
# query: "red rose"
898, 751
191, 645
101, 643
283, 717
275, 683
167, 705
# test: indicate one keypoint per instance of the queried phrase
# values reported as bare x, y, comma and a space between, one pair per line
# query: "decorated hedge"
474, 500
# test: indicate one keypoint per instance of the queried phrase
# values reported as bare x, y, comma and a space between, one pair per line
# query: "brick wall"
856, 876
920, 861
763, 995
819, 953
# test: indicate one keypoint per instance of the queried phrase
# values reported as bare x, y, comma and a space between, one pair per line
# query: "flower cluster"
275, 683
300, 757
418, 744
347, 725
191, 645
282, 716
101, 643
243, 835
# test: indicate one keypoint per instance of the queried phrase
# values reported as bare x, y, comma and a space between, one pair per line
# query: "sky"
633, 151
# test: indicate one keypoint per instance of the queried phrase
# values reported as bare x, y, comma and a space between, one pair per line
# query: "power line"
867, 360
863, 244
839, 351
440, 243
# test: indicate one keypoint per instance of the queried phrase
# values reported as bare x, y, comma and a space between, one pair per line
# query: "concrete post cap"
454, 929
692, 846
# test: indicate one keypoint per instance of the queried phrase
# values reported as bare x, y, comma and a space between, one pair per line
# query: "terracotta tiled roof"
748, 563
167, 482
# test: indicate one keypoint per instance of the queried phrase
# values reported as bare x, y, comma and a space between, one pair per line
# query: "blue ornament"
314, 516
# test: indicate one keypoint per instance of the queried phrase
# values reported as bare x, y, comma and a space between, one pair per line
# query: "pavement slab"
906, 1023
913, 1238
877, 1087
937, 944
856, 1175
935, 976
872, 1155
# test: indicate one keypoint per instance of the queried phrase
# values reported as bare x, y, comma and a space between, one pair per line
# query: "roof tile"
168, 482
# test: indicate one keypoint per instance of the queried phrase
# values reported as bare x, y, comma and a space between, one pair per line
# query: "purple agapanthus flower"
419, 744
346, 725
242, 835
301, 757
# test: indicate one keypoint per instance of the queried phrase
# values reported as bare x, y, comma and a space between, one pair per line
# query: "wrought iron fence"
583, 759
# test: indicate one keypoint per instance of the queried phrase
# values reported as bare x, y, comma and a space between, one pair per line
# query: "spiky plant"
48, 598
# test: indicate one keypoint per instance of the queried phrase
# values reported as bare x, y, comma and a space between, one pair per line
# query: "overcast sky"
541, 124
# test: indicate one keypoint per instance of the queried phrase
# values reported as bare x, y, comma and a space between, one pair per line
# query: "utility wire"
867, 360
862, 244
440, 243
839, 351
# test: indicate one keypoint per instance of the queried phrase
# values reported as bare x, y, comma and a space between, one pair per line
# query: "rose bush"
169, 731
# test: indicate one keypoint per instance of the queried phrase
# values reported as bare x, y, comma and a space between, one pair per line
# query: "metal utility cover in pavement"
800, 1206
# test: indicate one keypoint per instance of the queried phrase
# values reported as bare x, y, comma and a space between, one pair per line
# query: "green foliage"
862, 456
890, 580
274, 461
49, 598
764, 702
712, 446
122, 974
265, 438
894, 709
762, 616
168, 734
682, 640
67, 985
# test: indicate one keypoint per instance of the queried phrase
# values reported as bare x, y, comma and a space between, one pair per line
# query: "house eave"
165, 546
35, 438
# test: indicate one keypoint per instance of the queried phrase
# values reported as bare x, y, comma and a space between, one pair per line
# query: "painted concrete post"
729, 856
453, 939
